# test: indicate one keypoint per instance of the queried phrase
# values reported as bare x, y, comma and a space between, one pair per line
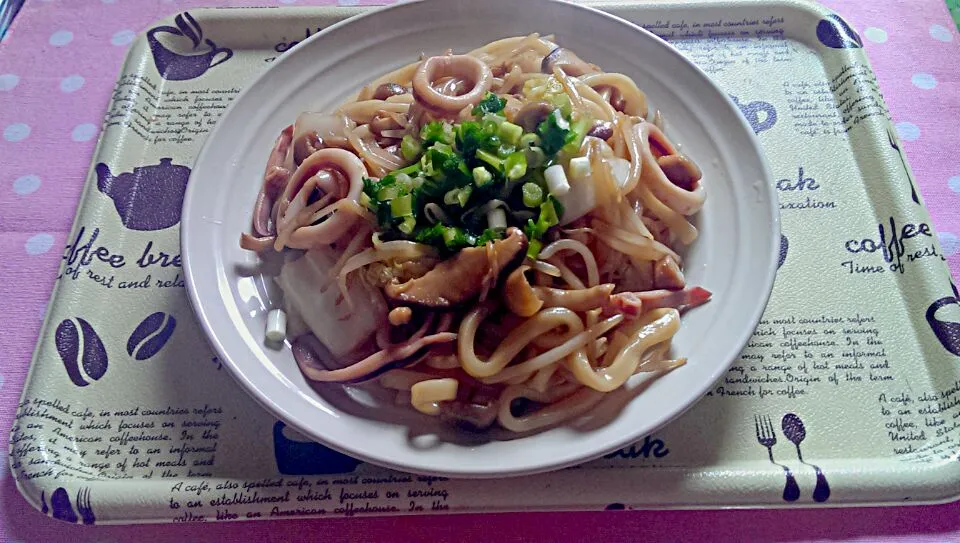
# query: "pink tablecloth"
57, 69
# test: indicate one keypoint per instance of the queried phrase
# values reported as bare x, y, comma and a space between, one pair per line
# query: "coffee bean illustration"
784, 247
81, 351
151, 335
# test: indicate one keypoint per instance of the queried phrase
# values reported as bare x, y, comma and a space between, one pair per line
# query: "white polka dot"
39, 244
16, 132
954, 183
876, 35
908, 131
25, 184
71, 83
61, 38
950, 243
83, 132
941, 33
123, 37
924, 81
8, 81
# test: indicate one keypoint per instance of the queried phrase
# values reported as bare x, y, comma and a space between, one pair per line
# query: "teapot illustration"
149, 197
176, 65
752, 111
835, 33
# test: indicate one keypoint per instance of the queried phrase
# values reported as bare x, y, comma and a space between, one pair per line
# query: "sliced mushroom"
382, 122
569, 62
532, 114
387, 90
667, 274
601, 129
520, 297
462, 278
470, 416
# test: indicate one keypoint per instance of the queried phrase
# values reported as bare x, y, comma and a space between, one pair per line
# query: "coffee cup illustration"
298, 456
149, 197
943, 316
753, 112
178, 60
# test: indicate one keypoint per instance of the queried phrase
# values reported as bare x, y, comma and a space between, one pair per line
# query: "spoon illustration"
795, 431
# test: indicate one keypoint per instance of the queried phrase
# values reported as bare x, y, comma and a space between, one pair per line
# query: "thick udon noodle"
542, 344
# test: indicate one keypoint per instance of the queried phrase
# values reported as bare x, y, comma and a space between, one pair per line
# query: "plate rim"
525, 468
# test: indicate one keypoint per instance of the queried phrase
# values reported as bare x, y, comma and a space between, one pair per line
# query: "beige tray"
127, 417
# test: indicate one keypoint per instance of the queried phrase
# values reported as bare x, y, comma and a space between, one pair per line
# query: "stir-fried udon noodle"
492, 235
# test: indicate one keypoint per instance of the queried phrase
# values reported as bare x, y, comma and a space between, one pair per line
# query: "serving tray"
849, 392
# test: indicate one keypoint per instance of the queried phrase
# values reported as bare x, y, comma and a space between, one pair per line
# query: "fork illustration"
767, 437
83, 506
893, 143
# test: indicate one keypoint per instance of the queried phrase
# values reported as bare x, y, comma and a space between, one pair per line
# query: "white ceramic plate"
735, 256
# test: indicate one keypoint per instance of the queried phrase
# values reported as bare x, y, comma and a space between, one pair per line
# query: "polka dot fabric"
59, 64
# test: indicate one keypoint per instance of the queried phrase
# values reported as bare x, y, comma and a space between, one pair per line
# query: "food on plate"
493, 235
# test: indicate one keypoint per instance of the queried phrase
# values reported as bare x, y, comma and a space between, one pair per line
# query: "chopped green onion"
464, 195
449, 235
562, 102
491, 103
535, 157
548, 214
510, 133
533, 248
481, 176
487, 236
458, 196
557, 183
410, 148
409, 170
456, 238
404, 181
388, 193
529, 140
578, 130
580, 167
450, 198
497, 219
407, 225
437, 132
401, 206
365, 200
554, 132
532, 194
515, 166
490, 159
505, 150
